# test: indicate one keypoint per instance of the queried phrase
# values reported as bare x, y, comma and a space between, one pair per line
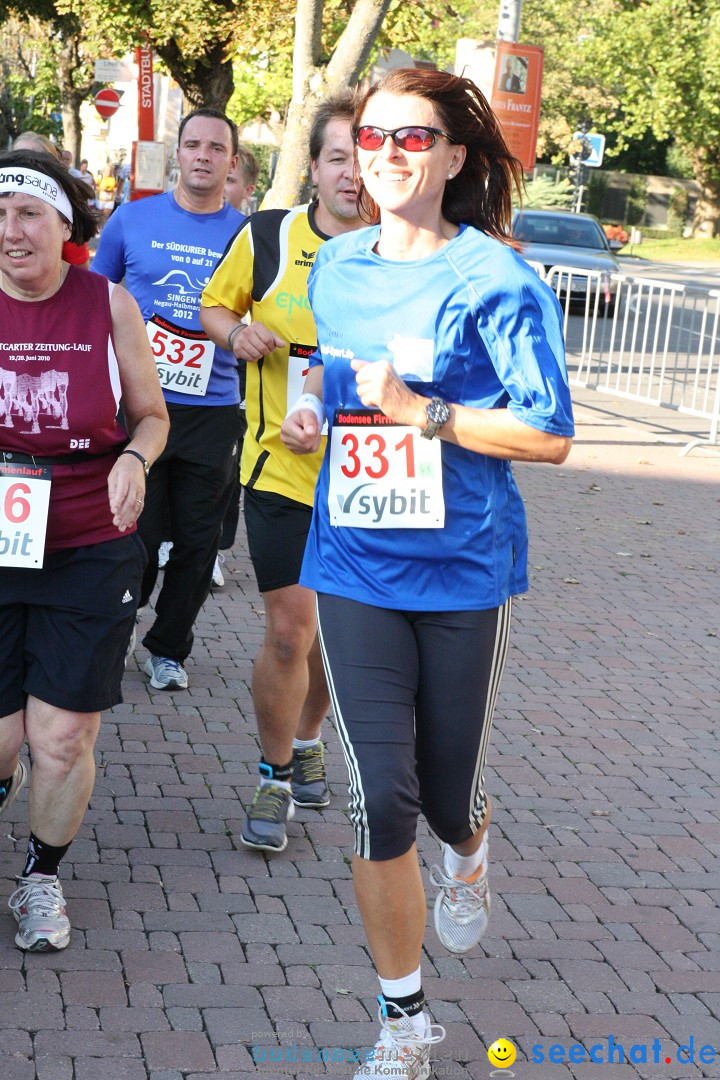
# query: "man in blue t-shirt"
165, 247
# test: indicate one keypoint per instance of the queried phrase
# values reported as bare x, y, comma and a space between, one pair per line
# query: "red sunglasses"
413, 139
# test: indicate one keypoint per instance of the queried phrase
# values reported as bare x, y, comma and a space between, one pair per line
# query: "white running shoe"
166, 674
401, 1052
38, 905
164, 553
8, 796
462, 908
217, 575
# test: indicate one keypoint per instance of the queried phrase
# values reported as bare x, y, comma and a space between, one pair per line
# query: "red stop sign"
107, 102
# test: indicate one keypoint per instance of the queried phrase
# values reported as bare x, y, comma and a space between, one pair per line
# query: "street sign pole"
509, 20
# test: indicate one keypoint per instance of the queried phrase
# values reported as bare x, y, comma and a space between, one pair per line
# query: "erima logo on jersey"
308, 257
385, 506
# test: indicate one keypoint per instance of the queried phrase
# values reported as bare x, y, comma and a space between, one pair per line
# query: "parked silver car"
560, 238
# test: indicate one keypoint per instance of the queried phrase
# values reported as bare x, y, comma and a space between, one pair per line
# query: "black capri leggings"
413, 694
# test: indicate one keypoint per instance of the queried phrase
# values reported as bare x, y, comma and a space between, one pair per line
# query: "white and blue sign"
597, 142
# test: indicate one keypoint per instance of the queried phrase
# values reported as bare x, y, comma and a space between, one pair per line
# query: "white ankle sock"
464, 866
392, 989
305, 744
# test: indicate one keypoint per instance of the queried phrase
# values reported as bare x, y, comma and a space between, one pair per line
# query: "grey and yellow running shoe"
267, 818
309, 784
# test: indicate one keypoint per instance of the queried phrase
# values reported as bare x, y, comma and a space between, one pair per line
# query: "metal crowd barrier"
649, 341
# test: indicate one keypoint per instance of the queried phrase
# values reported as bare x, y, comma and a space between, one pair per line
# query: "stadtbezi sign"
516, 95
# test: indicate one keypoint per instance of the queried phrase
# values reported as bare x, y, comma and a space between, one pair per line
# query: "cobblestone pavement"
191, 955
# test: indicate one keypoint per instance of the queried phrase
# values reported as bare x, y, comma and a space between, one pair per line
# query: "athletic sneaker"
401, 1052
267, 818
9, 795
462, 908
38, 905
164, 554
309, 785
217, 576
166, 674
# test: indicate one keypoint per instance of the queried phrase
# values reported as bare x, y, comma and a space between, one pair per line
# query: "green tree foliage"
662, 60
192, 37
29, 92
545, 193
65, 45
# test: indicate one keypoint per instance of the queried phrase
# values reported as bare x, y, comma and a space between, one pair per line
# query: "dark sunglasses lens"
414, 139
369, 138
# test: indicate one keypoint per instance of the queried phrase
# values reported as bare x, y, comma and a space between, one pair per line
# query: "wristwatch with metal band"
437, 412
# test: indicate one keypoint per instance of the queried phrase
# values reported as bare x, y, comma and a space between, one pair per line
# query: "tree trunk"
706, 221
208, 83
313, 80
706, 166
71, 97
72, 127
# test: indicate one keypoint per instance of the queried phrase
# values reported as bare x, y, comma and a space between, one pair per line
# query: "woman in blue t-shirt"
440, 359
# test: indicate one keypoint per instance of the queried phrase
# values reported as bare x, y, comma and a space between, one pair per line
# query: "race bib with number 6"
184, 357
383, 475
24, 501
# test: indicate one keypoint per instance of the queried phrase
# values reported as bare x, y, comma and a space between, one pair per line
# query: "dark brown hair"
84, 224
481, 192
338, 106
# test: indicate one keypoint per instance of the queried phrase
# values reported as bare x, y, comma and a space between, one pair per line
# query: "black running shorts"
277, 531
65, 629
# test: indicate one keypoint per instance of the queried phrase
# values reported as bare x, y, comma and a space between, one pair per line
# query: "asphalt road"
700, 275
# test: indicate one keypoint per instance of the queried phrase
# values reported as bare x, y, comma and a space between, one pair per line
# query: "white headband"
30, 182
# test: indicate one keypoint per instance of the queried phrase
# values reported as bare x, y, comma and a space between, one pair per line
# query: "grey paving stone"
605, 838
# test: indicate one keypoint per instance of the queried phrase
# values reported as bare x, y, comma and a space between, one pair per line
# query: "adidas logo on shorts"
127, 598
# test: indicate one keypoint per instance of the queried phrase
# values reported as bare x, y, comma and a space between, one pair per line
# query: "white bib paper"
184, 357
24, 502
383, 475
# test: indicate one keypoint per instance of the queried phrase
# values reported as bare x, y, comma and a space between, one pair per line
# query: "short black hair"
84, 224
212, 114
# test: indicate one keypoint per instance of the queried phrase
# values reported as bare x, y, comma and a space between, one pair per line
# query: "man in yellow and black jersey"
264, 272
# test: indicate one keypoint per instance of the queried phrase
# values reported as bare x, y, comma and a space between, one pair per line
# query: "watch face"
437, 411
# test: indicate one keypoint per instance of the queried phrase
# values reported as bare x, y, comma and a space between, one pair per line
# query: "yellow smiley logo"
502, 1053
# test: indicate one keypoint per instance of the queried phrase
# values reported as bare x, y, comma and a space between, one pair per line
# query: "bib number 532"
383, 475
183, 357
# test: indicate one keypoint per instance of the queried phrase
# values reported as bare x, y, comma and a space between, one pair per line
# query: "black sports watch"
145, 464
438, 413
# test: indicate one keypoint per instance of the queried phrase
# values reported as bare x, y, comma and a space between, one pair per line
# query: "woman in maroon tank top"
73, 353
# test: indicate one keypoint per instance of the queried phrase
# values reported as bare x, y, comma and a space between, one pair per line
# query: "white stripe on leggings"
357, 795
478, 802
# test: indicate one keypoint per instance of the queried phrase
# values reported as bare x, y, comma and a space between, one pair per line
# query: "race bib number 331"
184, 357
383, 475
